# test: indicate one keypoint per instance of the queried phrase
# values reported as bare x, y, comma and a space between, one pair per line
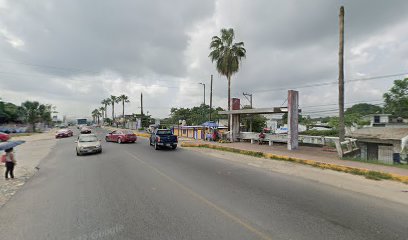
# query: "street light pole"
204, 90
211, 89
250, 102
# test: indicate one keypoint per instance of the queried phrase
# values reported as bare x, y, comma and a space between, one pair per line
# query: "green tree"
113, 100
102, 110
396, 99
9, 112
34, 112
95, 115
363, 109
258, 121
194, 116
105, 103
227, 55
124, 99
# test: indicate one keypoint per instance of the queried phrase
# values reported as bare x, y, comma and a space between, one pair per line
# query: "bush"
327, 133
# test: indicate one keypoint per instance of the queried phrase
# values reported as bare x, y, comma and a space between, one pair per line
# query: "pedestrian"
10, 162
261, 138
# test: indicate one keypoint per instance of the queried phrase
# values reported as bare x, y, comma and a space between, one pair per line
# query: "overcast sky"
74, 53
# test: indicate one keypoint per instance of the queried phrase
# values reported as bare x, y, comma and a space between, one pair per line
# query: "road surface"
131, 191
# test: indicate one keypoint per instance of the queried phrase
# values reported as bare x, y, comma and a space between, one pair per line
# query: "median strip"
369, 174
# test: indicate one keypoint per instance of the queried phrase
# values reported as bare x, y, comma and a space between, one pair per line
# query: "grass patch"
374, 175
404, 166
378, 175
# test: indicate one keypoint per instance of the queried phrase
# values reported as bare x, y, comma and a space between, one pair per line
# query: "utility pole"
141, 104
211, 87
341, 75
246, 95
204, 90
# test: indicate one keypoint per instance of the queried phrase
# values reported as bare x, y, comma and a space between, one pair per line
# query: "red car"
85, 130
63, 133
4, 137
121, 136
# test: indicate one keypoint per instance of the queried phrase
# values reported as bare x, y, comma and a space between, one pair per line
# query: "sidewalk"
28, 156
308, 153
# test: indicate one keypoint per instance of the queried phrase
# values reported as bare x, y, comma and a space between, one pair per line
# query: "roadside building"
378, 119
384, 144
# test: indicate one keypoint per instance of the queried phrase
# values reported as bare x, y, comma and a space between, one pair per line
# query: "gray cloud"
74, 53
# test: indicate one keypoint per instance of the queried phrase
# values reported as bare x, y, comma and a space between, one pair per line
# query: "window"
376, 119
184, 131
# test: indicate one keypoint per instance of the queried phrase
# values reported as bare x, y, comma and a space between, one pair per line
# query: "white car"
88, 143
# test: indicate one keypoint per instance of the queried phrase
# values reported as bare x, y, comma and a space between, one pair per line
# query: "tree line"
29, 112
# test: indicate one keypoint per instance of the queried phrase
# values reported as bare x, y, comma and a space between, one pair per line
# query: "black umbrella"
10, 144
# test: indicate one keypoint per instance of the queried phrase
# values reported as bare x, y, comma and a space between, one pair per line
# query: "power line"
330, 83
332, 104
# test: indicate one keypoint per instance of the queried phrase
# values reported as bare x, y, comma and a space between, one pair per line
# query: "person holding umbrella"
10, 162
8, 157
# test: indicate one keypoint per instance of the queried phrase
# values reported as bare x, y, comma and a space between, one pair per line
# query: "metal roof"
384, 133
257, 111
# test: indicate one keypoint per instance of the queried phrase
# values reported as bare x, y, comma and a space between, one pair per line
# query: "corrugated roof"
385, 133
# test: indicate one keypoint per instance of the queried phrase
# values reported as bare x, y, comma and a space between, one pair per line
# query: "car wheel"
156, 147
106, 139
119, 140
150, 142
174, 147
78, 154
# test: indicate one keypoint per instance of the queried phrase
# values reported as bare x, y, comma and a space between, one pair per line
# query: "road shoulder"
28, 156
385, 189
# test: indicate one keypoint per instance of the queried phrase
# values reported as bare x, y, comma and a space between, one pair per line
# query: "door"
372, 151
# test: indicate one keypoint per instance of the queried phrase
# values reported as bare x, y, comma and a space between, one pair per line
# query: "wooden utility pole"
211, 87
141, 104
341, 75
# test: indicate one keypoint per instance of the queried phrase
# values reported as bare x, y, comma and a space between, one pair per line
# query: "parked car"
121, 136
163, 138
4, 137
62, 133
85, 130
88, 143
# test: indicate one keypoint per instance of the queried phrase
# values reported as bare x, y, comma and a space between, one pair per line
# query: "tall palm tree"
106, 102
102, 113
124, 99
95, 115
113, 100
227, 55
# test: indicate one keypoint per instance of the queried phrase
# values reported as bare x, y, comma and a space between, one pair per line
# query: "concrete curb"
375, 175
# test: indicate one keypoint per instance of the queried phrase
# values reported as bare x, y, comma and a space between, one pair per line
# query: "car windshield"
163, 132
88, 139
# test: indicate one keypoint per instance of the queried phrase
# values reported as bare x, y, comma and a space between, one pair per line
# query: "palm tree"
227, 55
124, 99
113, 100
102, 110
96, 114
106, 102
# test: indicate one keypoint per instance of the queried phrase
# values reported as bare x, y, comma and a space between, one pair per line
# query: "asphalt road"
131, 191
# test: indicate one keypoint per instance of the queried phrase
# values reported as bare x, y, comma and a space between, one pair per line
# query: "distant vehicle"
81, 121
62, 133
121, 136
163, 138
88, 143
4, 137
62, 126
85, 130
281, 130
